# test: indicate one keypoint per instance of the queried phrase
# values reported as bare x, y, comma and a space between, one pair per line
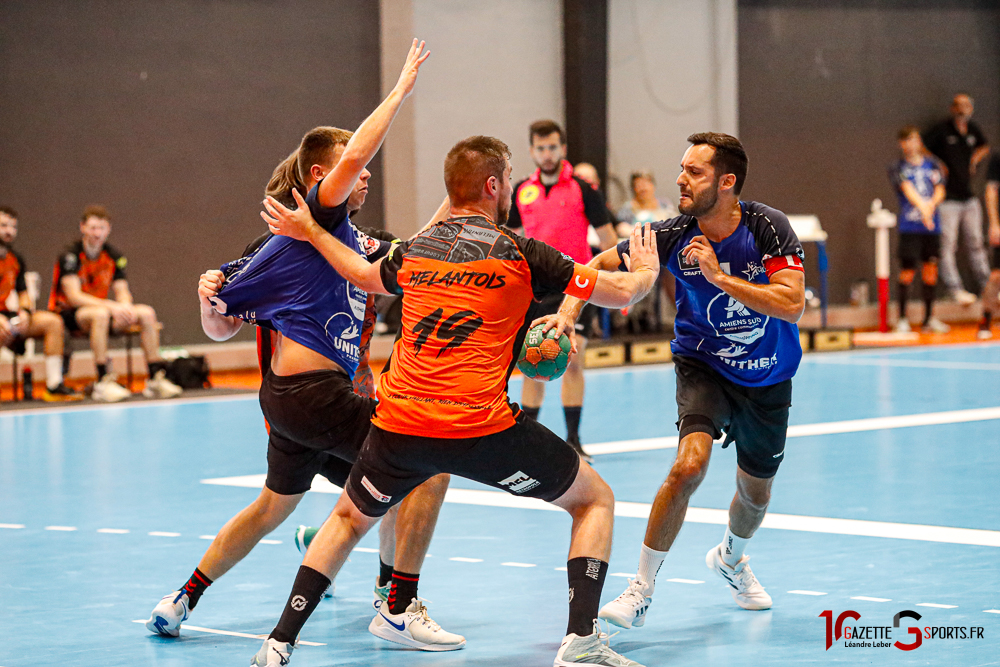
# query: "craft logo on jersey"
687, 268
735, 322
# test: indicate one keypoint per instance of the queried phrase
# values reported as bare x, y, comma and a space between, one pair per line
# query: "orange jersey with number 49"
467, 287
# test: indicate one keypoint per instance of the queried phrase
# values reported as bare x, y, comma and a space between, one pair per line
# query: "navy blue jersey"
290, 285
924, 177
744, 346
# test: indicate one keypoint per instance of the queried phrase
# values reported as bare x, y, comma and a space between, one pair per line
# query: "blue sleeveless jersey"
744, 346
291, 285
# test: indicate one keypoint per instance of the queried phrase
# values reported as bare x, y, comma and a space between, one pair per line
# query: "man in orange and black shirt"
468, 284
16, 326
90, 291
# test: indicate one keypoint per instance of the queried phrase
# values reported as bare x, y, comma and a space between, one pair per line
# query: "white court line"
868, 599
12, 526
519, 564
937, 606
270, 541
112, 531
991, 611
816, 593
65, 529
911, 363
160, 533
807, 524
151, 403
823, 428
229, 633
364, 550
461, 559
206, 537
686, 581
560, 569
624, 575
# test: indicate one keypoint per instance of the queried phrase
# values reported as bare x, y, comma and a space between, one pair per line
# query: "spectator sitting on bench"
91, 293
17, 326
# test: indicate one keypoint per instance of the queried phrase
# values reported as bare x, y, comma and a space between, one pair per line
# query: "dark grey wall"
173, 114
824, 86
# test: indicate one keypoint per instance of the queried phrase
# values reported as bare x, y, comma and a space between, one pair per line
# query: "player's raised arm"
301, 226
335, 188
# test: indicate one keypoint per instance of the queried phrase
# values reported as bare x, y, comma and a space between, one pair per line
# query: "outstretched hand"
642, 252
283, 221
414, 59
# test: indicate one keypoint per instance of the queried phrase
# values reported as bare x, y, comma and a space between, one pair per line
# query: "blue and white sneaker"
168, 615
414, 628
273, 654
628, 610
303, 536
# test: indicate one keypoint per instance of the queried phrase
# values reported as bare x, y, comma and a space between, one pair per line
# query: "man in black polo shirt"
961, 146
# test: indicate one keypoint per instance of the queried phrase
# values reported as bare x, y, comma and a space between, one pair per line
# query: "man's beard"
702, 204
553, 171
6, 245
502, 215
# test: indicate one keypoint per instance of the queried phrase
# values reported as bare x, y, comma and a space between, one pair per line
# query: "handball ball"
544, 357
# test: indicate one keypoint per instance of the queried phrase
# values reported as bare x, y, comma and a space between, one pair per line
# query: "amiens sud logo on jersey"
735, 322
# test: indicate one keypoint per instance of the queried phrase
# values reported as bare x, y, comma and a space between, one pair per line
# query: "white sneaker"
746, 590
168, 615
984, 334
159, 386
592, 649
273, 654
903, 326
628, 610
934, 325
303, 536
107, 390
414, 628
963, 297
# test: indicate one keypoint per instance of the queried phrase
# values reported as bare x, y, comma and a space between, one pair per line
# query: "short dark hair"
469, 165
7, 210
543, 128
729, 158
95, 211
906, 131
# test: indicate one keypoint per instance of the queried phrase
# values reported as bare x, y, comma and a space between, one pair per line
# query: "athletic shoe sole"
159, 626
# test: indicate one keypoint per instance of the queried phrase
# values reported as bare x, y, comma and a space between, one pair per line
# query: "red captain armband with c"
581, 285
775, 264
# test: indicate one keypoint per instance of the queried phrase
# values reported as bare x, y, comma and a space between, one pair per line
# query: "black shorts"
755, 418
915, 249
317, 426
526, 460
550, 305
996, 258
16, 344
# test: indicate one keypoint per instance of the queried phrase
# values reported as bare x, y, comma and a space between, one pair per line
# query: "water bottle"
28, 385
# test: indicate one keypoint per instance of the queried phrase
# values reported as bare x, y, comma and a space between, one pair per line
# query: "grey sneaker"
273, 654
591, 649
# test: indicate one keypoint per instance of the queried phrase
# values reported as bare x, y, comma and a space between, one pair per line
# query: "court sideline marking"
806, 524
822, 428
229, 633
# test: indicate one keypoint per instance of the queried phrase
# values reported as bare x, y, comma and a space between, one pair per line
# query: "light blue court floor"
887, 501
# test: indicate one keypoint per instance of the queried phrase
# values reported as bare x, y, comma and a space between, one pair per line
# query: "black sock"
306, 593
572, 415
404, 589
102, 370
586, 581
532, 412
155, 366
384, 573
987, 317
928, 301
195, 586
903, 289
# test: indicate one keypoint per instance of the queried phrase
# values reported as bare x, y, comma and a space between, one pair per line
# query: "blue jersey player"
740, 291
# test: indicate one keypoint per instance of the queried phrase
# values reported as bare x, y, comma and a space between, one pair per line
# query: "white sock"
732, 547
53, 371
650, 561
